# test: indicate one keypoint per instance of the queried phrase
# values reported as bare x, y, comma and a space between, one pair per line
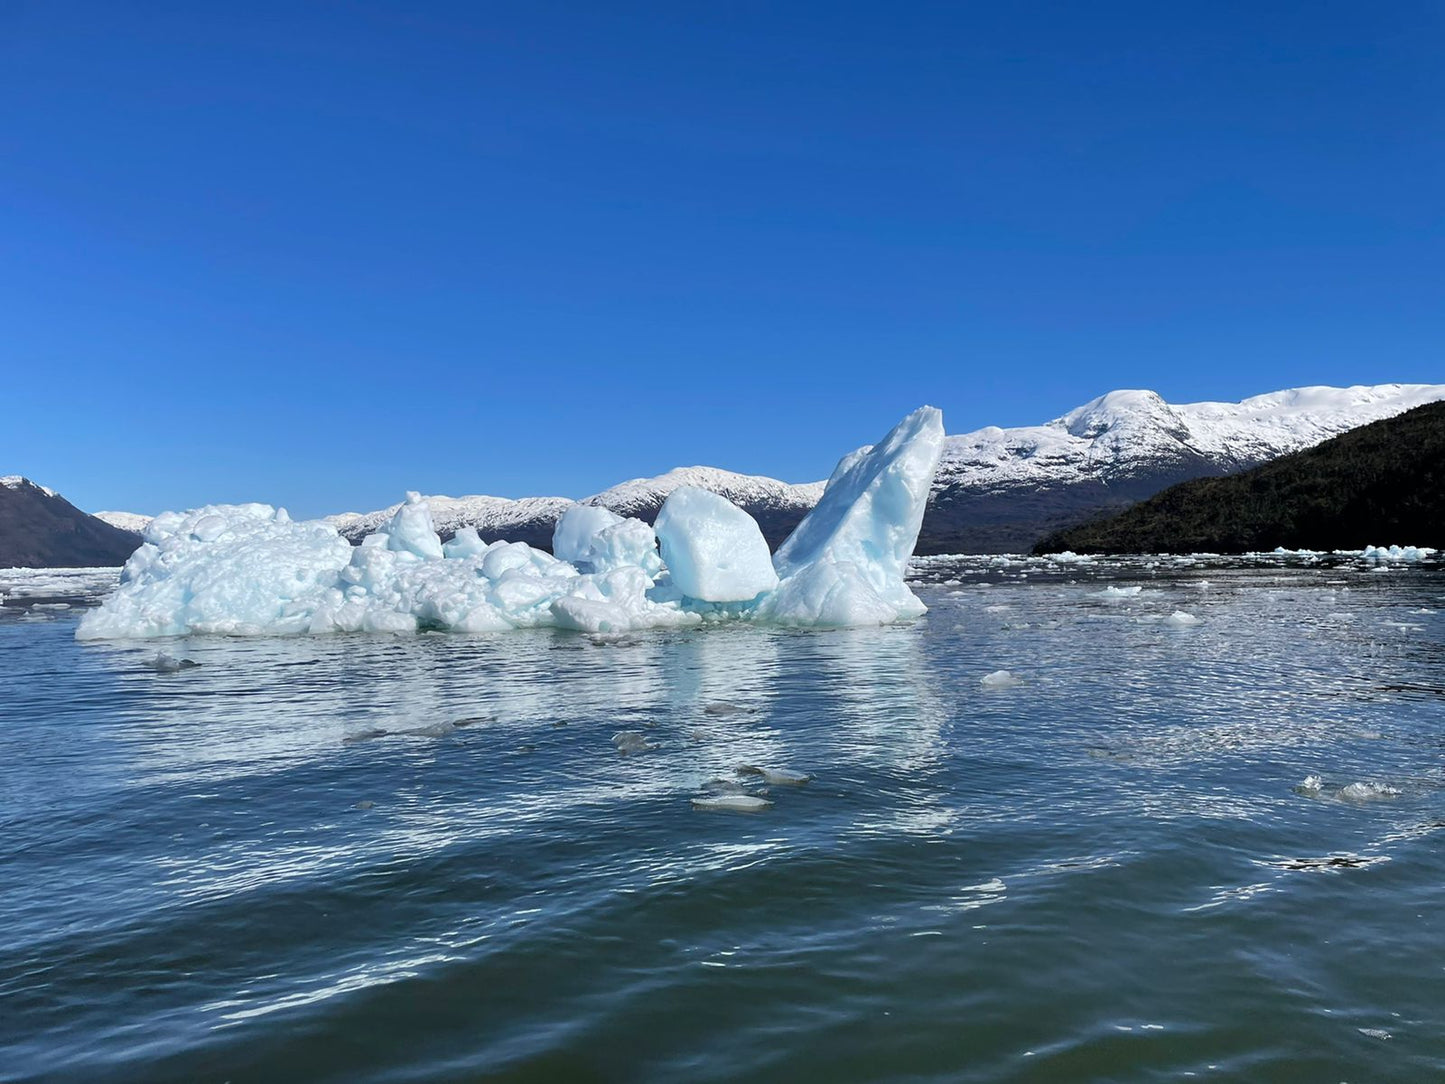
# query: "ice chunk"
845, 564
714, 551
1000, 679
254, 575
169, 664
599, 540
573, 536
632, 741
1181, 620
835, 594
1121, 592
627, 543
465, 543
411, 530
1368, 792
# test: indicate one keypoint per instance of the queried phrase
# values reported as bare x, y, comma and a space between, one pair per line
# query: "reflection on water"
423, 857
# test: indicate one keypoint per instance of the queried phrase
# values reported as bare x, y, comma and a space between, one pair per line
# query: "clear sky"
317, 254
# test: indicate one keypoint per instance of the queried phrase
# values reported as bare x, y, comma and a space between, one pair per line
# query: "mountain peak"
19, 481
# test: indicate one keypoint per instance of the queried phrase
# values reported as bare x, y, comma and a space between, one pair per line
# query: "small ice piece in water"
1181, 620
632, 741
780, 777
1000, 679
732, 803
714, 550
724, 786
724, 707
1312, 784
1121, 592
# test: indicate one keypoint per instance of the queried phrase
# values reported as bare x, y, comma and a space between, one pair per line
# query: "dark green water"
1113, 870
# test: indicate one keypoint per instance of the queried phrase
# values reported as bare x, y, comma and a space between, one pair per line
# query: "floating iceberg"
250, 570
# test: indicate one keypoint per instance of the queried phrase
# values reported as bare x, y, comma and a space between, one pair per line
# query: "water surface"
1164, 851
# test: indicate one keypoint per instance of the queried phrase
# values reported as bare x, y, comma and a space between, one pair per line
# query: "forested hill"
1380, 484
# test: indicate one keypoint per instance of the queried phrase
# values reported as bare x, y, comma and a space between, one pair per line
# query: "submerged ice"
251, 570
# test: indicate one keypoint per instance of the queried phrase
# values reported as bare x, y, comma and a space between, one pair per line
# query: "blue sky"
317, 254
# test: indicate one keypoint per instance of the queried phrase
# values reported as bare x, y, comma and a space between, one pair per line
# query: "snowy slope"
134, 522
1135, 431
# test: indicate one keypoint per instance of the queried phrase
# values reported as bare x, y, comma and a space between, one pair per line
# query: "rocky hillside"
41, 529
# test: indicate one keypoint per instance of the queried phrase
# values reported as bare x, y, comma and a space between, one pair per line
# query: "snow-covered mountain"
1000, 490
997, 490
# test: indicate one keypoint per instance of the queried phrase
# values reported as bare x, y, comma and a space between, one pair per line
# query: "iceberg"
250, 570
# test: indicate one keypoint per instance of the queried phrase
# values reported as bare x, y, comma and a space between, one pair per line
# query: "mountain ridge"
41, 529
997, 489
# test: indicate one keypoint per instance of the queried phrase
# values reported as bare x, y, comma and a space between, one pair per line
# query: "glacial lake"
1155, 850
